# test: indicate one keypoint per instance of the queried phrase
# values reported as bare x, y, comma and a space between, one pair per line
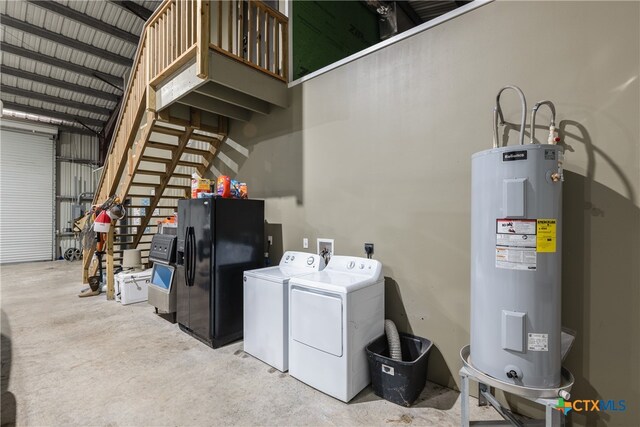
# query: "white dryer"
266, 307
333, 315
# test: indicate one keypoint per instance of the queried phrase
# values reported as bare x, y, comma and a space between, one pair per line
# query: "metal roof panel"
62, 24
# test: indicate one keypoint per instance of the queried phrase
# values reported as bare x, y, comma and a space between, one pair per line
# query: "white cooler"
132, 287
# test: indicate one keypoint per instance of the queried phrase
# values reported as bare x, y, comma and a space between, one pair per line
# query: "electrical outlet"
305, 243
368, 249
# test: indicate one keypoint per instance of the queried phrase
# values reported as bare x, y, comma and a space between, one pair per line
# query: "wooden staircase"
199, 66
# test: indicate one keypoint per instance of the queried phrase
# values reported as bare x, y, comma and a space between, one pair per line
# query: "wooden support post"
195, 118
130, 157
285, 53
164, 115
202, 39
87, 254
111, 294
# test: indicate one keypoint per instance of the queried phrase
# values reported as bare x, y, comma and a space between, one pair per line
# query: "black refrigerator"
218, 239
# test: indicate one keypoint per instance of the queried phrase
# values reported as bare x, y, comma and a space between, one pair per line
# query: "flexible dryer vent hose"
395, 352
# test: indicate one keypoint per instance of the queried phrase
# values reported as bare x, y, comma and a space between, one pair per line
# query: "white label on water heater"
516, 244
538, 342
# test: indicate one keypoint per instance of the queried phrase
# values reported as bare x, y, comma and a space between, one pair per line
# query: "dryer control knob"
361, 266
310, 260
351, 265
293, 257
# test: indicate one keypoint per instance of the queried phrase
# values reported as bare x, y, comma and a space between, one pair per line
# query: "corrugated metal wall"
77, 160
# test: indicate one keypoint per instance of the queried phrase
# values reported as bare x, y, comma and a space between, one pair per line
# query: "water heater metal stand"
548, 397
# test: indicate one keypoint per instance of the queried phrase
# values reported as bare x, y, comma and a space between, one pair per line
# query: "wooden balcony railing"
172, 38
252, 32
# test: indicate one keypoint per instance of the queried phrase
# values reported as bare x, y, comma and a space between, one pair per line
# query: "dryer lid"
334, 281
344, 274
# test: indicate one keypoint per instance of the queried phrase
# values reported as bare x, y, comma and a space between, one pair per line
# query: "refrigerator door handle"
187, 256
192, 268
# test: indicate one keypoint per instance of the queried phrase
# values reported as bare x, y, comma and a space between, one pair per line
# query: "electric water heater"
516, 246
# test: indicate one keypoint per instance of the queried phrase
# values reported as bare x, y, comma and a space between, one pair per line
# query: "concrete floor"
95, 362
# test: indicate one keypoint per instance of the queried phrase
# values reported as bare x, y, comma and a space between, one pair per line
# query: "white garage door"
26, 196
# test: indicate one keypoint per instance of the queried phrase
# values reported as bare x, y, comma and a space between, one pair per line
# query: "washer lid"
277, 273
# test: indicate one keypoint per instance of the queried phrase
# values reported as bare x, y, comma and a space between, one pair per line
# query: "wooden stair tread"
161, 146
189, 164
149, 196
144, 184
171, 147
161, 174
149, 172
168, 131
152, 185
205, 138
154, 159
179, 133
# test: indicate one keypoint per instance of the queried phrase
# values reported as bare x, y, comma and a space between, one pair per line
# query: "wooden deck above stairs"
200, 66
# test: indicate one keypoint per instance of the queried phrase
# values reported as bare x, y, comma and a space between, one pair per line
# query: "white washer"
333, 315
266, 307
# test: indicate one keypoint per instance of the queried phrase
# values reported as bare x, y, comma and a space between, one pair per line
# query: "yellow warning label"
546, 235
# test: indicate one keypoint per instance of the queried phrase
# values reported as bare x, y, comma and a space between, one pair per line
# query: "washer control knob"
310, 260
351, 265
361, 266
293, 257
287, 258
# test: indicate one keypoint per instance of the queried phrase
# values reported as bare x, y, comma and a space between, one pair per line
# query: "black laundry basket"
400, 382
